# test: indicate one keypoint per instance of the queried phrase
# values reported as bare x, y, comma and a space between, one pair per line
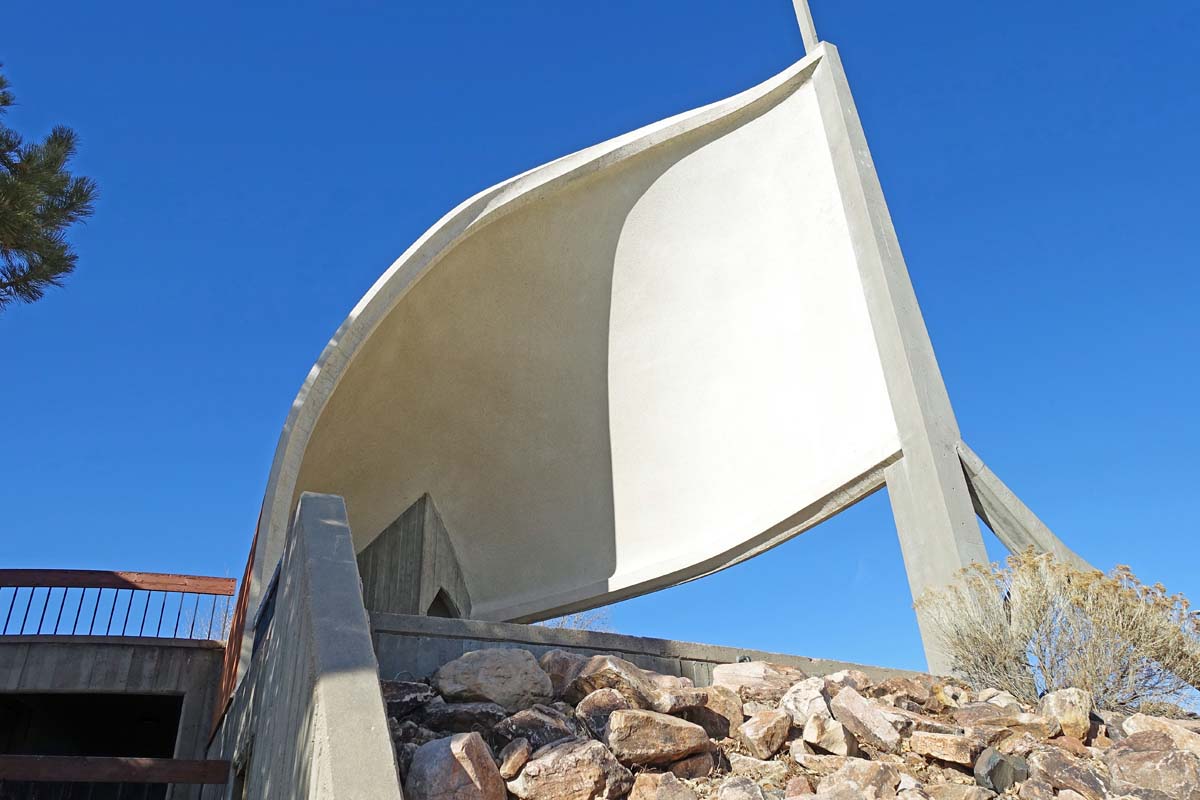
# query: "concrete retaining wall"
307, 720
110, 664
414, 647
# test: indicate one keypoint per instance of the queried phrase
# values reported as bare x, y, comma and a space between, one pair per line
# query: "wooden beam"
102, 579
95, 769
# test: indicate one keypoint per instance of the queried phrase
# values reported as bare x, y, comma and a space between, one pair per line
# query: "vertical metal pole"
61, 606
111, 611
32, 591
12, 603
78, 610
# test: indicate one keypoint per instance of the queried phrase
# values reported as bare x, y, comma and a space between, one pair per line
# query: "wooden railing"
49, 602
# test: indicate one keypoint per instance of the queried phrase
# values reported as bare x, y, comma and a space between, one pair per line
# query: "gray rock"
996, 771
541, 725
648, 737
456, 768
864, 720
576, 769
764, 733
461, 717
401, 698
594, 710
561, 666
506, 676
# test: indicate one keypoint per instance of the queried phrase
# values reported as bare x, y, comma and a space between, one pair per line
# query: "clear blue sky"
260, 166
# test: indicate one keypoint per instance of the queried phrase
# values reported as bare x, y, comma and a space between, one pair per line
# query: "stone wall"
412, 647
307, 720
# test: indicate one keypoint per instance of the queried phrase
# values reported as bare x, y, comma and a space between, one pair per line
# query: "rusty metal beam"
103, 579
94, 769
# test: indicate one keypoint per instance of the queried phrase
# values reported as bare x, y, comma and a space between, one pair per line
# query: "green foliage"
39, 201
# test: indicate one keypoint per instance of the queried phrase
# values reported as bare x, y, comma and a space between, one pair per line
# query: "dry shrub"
597, 619
1037, 625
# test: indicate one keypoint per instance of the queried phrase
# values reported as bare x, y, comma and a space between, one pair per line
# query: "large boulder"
561, 666
999, 772
829, 735
1182, 737
660, 786
403, 697
1149, 760
506, 676
595, 709
610, 672
764, 733
456, 768
575, 769
461, 717
758, 681
765, 773
944, 747
541, 725
1070, 708
738, 787
717, 709
513, 757
865, 720
871, 780
1063, 771
647, 737
805, 700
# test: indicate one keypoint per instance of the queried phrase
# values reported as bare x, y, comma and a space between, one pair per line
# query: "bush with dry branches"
1037, 625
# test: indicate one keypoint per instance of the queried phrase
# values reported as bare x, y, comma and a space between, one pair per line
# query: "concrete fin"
1014, 524
412, 568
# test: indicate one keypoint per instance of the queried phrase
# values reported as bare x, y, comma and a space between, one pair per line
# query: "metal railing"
50, 602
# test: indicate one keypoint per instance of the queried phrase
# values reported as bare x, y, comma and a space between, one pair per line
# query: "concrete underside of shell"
632, 366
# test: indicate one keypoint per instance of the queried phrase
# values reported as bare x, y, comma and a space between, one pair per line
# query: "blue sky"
261, 165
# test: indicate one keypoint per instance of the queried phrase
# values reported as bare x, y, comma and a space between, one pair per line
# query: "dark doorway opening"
89, 724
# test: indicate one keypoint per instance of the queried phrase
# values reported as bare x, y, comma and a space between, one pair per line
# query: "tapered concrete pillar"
932, 506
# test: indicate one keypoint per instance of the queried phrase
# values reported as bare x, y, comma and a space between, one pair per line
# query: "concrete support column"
931, 503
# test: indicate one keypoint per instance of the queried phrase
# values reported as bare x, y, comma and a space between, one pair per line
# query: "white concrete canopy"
641, 363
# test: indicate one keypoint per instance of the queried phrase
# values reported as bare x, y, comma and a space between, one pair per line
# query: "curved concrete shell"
632, 366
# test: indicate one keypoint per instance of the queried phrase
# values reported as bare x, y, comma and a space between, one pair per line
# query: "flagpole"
808, 31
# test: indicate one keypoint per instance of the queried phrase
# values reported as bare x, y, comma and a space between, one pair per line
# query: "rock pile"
500, 723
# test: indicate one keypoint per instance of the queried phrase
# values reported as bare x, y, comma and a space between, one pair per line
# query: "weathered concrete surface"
411, 568
934, 516
415, 647
1014, 524
307, 720
125, 665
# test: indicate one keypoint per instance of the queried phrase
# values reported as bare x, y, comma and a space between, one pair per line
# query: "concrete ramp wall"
307, 720
412, 647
